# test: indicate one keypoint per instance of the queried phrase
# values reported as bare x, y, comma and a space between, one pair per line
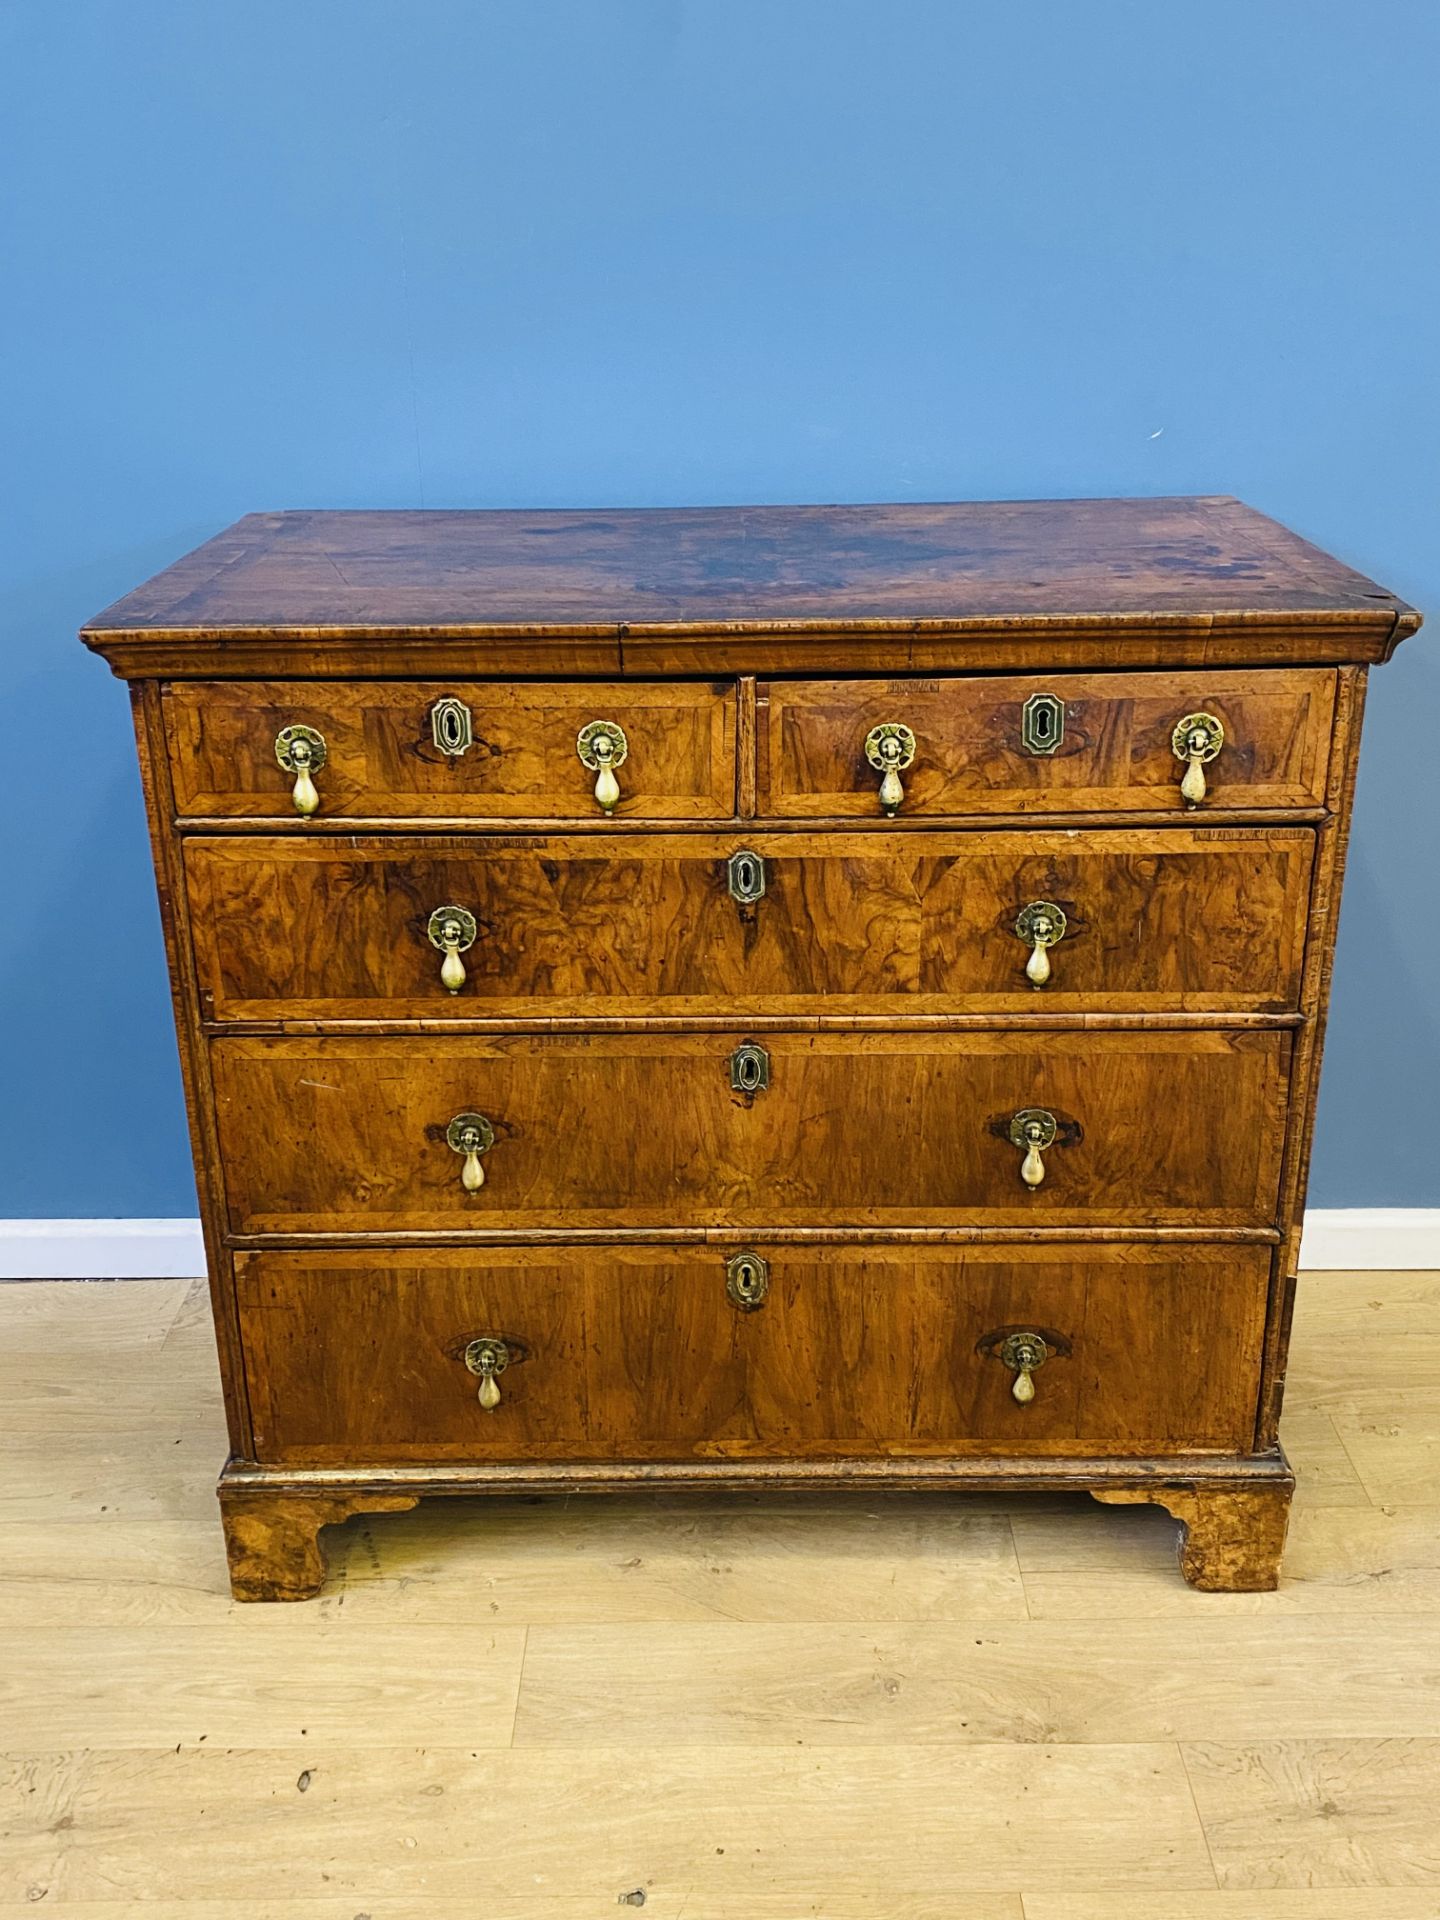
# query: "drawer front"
381, 757
865, 1129
1157, 919
640, 1353
1106, 745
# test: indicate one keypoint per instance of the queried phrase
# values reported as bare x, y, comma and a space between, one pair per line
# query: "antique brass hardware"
747, 1281
1024, 1353
745, 876
489, 1358
1040, 925
1033, 1129
1042, 723
1196, 740
452, 726
470, 1134
452, 932
890, 748
301, 751
602, 747
749, 1068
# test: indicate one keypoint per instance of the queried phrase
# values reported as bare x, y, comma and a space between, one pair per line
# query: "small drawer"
317, 750
1136, 920
1065, 743
772, 1351
853, 1129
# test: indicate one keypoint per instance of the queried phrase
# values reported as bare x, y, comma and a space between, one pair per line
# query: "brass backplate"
1023, 1351
602, 730
452, 927
289, 738
470, 1133
1033, 1127
747, 1281
1199, 736
1041, 924
1042, 723
487, 1355
899, 753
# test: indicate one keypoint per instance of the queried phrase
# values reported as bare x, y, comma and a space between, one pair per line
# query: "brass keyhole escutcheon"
1034, 1129
890, 748
488, 1357
745, 877
1042, 723
749, 1068
452, 932
452, 726
1041, 926
1196, 740
1024, 1353
470, 1135
747, 1281
602, 747
301, 751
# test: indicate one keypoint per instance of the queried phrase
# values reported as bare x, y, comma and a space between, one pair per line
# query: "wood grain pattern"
611, 1130
1206, 570
205, 1825
381, 758
1231, 1539
944, 1684
272, 1541
637, 1353
1116, 753
1351, 1812
1190, 918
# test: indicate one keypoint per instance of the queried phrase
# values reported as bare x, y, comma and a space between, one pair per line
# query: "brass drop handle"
1024, 1353
1196, 740
1033, 1129
470, 1134
602, 747
452, 932
890, 748
1041, 926
301, 751
488, 1357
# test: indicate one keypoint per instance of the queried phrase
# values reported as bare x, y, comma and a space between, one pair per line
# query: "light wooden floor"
901, 1709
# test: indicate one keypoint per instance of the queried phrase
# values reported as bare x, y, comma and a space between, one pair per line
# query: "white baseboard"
1349, 1238
1353, 1239
100, 1249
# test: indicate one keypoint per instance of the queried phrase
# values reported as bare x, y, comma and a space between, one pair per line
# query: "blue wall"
579, 252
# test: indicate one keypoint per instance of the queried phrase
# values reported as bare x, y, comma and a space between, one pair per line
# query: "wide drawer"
1156, 919
1061, 743
641, 1353
510, 751
349, 1135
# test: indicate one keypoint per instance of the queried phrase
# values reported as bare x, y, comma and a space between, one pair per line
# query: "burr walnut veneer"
787, 996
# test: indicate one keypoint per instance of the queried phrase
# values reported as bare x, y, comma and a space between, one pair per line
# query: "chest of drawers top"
1018, 586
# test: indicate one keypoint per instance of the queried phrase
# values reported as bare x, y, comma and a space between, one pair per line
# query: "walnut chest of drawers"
791, 997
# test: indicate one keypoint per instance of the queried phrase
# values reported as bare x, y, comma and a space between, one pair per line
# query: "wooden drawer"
348, 1135
638, 1353
1115, 754
381, 759
1156, 919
